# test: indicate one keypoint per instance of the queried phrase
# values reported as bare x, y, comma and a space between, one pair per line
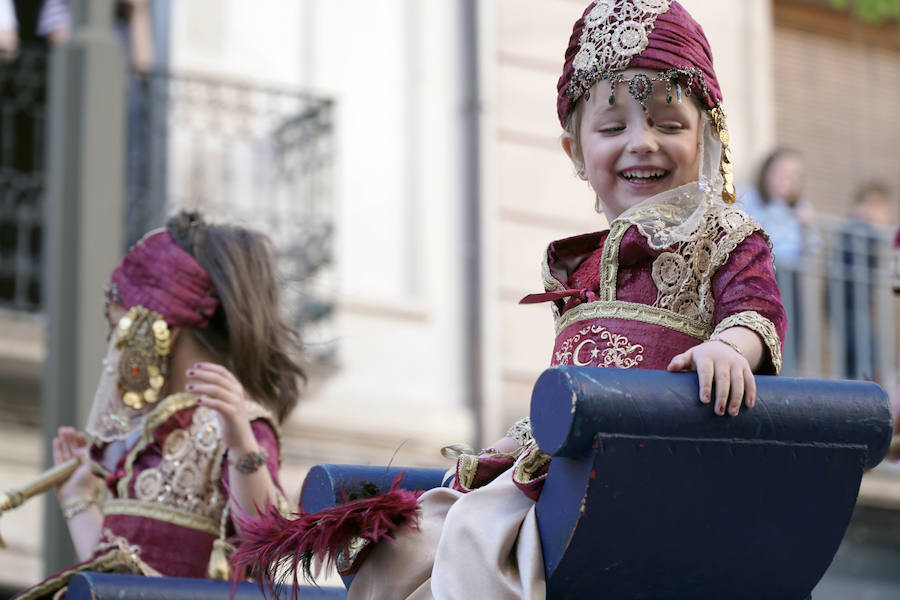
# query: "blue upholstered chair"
650, 495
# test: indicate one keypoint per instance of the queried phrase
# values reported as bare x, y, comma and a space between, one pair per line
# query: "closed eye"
612, 129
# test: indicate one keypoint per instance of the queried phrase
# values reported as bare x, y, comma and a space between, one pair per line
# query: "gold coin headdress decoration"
145, 343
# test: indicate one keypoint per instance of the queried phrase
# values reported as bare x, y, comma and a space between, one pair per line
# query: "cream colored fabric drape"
483, 544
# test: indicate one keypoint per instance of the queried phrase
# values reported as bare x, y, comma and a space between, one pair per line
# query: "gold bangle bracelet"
731, 345
76, 505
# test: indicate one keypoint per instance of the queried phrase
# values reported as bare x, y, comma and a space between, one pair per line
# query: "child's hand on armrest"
728, 360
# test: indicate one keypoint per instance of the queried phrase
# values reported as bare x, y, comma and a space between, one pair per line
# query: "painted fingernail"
200, 400
190, 387
190, 371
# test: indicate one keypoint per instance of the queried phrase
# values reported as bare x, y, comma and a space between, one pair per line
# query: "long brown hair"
247, 333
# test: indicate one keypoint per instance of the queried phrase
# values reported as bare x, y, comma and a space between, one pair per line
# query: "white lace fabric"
110, 419
676, 216
614, 32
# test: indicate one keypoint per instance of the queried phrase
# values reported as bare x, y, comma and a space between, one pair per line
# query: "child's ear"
573, 151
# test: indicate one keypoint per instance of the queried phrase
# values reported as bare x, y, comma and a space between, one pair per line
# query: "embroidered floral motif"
614, 31
684, 278
585, 348
188, 477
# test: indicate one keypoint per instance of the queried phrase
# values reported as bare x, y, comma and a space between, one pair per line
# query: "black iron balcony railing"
235, 151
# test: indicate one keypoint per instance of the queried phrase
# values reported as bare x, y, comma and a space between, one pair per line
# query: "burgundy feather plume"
271, 538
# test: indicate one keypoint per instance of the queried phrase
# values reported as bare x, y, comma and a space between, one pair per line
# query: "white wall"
392, 68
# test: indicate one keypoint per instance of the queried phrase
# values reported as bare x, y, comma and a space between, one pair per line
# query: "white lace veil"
110, 419
673, 216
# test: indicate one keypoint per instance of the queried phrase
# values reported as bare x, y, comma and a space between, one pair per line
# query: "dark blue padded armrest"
657, 403
650, 495
326, 484
111, 586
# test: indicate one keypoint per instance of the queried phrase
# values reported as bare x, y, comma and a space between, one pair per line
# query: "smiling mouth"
643, 176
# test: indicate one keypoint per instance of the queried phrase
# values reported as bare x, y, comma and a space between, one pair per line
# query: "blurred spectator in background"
776, 201
859, 248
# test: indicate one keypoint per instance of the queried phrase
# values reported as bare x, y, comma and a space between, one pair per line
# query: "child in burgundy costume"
152, 494
680, 281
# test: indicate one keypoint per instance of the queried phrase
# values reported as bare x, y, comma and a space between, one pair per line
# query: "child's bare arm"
729, 360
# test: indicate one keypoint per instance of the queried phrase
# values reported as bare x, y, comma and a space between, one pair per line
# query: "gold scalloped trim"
633, 311
763, 327
103, 563
526, 468
551, 283
609, 262
160, 512
466, 467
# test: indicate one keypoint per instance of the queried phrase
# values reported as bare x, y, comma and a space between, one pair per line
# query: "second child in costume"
185, 422
680, 281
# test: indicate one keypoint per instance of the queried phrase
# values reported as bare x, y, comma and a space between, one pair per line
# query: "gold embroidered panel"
683, 278
612, 349
633, 311
189, 476
188, 479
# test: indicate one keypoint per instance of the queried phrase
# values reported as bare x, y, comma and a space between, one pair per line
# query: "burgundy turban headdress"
160, 276
660, 35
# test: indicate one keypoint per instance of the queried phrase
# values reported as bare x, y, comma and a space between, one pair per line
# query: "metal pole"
84, 198
472, 243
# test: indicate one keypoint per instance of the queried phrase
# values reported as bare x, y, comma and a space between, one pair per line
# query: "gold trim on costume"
526, 468
762, 326
551, 283
160, 512
632, 311
466, 467
609, 262
103, 563
168, 407
608, 349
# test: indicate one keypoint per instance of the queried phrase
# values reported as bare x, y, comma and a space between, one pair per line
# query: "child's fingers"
210, 376
737, 391
749, 387
219, 370
216, 392
679, 362
74, 439
223, 407
705, 378
723, 386
58, 456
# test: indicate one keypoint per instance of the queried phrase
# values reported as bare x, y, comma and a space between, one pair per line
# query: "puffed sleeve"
746, 294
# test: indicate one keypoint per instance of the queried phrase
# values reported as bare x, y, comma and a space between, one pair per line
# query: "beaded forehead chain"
615, 31
640, 86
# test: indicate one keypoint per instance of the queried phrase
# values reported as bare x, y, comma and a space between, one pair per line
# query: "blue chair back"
651, 495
